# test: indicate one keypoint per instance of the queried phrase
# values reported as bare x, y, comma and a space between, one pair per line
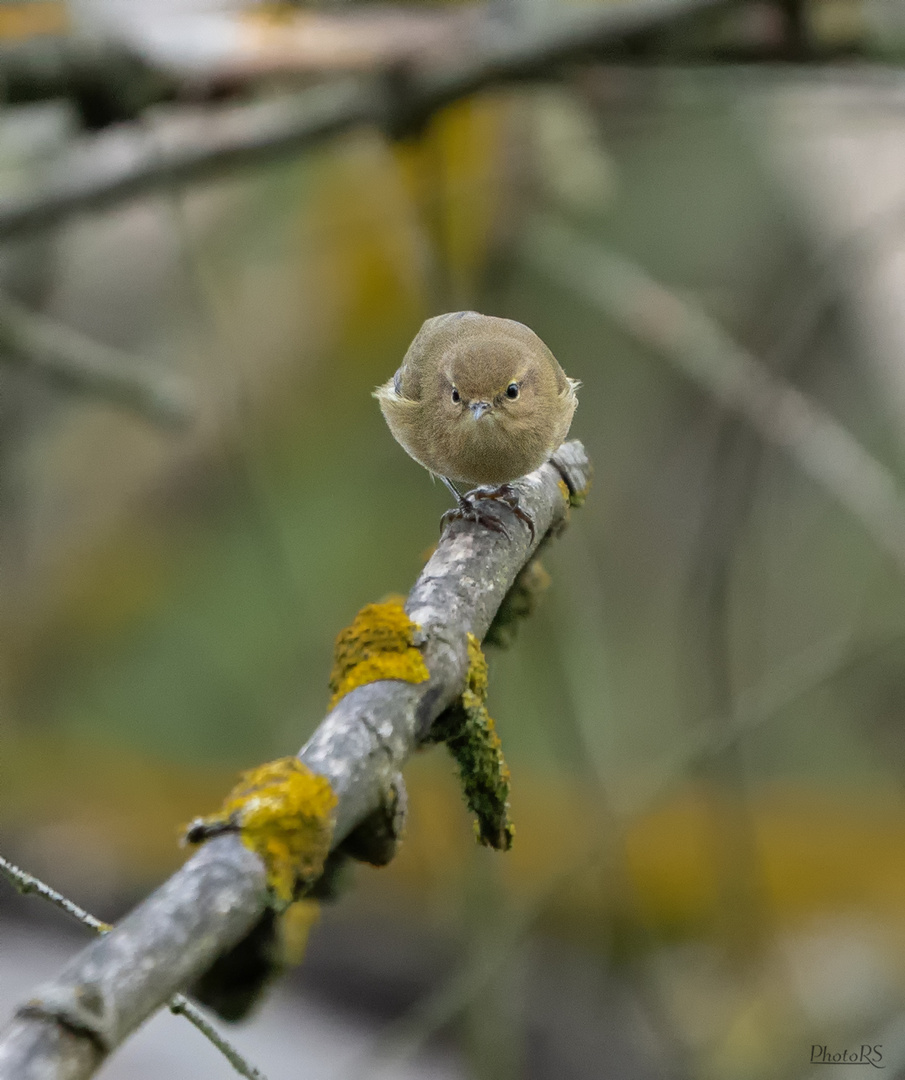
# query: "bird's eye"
455, 396
512, 391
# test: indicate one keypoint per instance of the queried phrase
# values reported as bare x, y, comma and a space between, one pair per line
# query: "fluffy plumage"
478, 400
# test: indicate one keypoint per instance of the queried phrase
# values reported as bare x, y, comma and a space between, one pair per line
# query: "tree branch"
688, 338
67, 358
399, 102
73, 1022
26, 883
217, 53
107, 81
539, 49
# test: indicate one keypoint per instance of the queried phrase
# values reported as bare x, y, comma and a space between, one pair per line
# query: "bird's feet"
469, 510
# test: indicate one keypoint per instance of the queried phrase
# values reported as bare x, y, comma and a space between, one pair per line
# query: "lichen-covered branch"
70, 1024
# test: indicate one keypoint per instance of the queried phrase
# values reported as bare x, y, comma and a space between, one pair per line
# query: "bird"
479, 401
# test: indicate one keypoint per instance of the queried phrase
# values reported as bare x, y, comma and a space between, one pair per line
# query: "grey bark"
66, 1030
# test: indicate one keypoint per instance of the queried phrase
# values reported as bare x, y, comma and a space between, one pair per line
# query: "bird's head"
489, 382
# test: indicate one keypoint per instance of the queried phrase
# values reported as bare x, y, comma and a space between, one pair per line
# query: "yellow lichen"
293, 928
470, 734
379, 644
284, 812
576, 496
579, 495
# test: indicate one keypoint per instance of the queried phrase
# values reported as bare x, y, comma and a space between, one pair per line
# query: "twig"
399, 103
69, 359
26, 883
105, 992
181, 1006
685, 335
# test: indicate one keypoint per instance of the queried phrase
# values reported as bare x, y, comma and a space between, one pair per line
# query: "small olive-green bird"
479, 401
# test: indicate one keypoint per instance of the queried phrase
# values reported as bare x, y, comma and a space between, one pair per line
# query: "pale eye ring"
455, 396
512, 391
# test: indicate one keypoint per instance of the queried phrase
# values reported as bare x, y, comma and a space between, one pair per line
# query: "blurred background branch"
72, 361
398, 100
686, 336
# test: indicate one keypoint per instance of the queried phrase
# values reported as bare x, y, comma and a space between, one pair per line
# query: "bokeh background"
705, 717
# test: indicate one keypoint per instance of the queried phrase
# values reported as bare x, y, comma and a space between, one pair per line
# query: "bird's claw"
468, 510
508, 496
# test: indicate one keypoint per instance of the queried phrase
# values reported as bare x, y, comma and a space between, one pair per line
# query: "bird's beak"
479, 408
